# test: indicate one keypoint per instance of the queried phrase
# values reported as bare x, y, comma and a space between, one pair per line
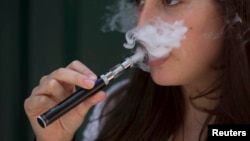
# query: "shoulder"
94, 125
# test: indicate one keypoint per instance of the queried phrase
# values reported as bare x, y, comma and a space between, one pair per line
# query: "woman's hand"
54, 88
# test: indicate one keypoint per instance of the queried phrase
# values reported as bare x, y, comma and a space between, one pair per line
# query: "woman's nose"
148, 12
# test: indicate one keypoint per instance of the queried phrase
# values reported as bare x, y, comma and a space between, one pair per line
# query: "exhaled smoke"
157, 37
122, 16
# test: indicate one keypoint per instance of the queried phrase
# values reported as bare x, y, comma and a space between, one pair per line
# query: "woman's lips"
157, 62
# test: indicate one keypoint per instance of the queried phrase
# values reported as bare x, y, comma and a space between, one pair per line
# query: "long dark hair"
147, 113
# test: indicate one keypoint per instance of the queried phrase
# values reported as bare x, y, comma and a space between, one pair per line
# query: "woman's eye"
172, 2
139, 2
167, 2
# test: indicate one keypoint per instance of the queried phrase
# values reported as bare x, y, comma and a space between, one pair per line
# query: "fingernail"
91, 76
89, 83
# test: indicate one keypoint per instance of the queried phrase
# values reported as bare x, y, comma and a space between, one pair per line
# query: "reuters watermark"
239, 132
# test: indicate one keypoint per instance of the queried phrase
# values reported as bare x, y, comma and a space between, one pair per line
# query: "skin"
191, 63
188, 66
52, 89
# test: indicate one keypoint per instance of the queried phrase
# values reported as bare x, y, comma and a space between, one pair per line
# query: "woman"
205, 81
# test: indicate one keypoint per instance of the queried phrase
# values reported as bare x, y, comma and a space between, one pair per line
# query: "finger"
68, 87
53, 89
36, 105
73, 77
44, 78
81, 68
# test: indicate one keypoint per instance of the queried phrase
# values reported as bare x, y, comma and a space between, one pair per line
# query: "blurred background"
39, 36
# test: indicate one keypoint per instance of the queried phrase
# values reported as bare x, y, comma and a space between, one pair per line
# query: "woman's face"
191, 64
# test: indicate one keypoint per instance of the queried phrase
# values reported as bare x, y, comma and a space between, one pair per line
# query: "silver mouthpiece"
120, 68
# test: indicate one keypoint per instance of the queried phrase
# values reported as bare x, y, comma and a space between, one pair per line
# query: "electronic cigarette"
82, 94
